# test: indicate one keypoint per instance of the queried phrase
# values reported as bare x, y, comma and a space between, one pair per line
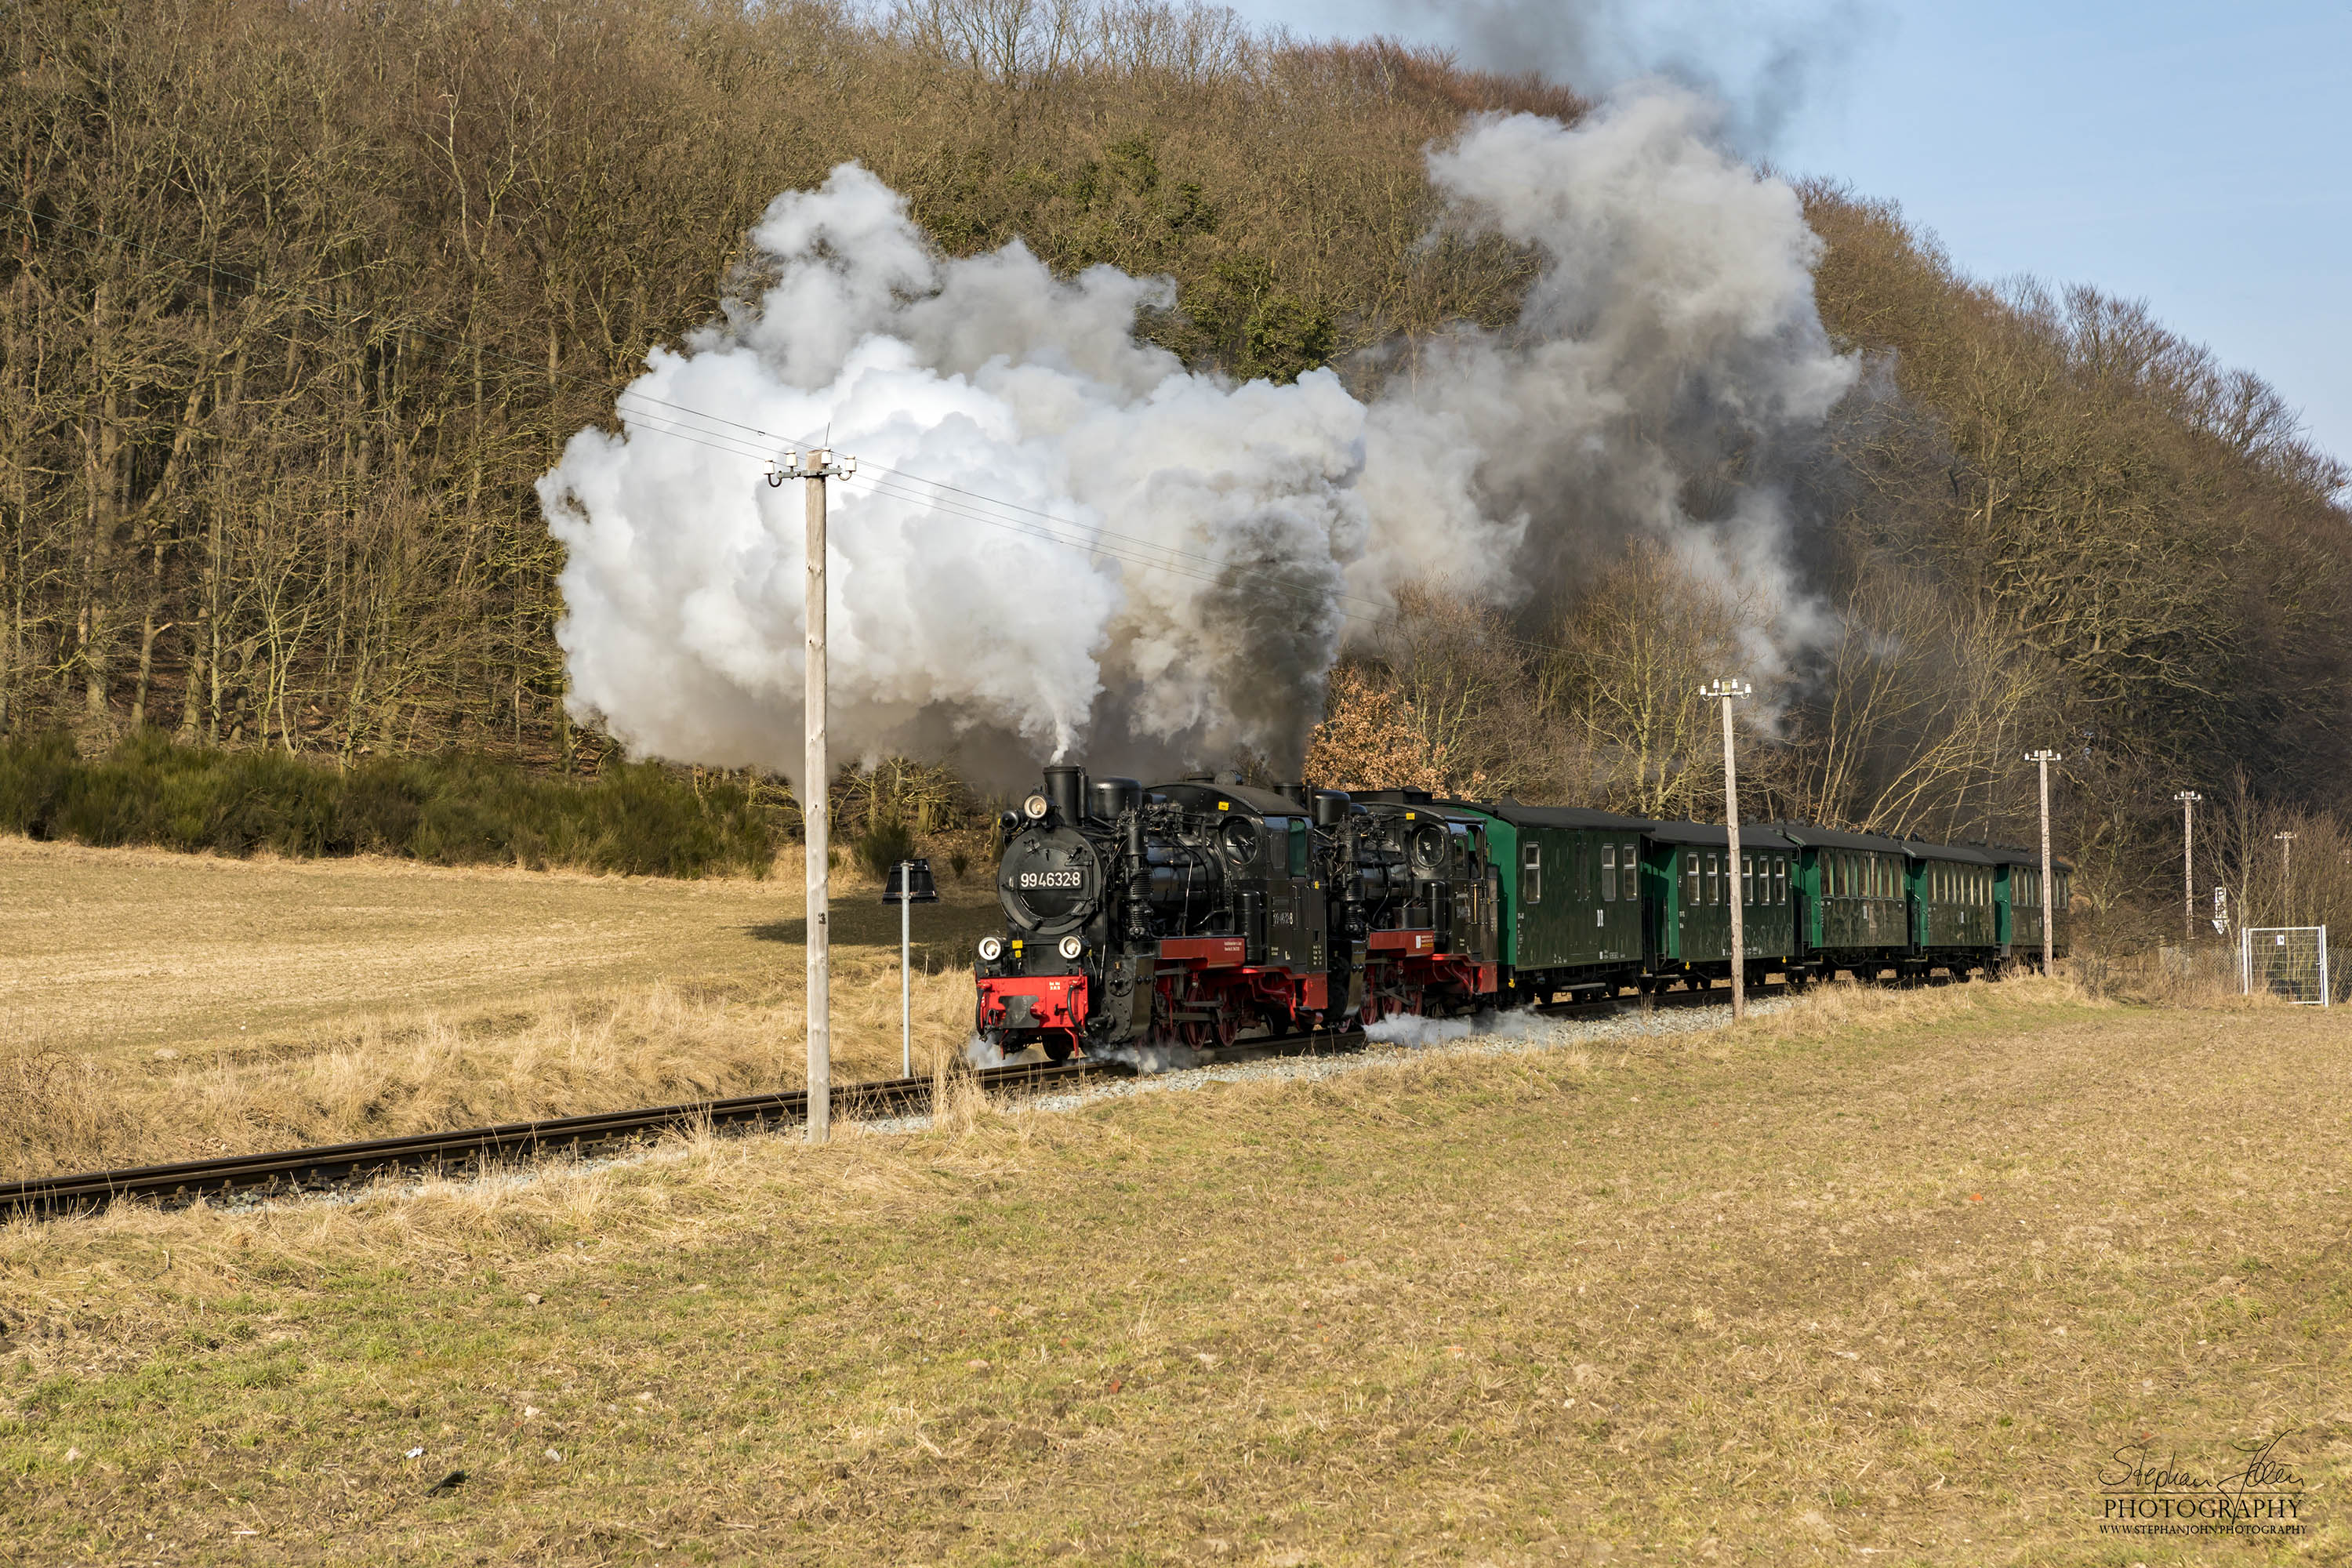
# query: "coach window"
1631, 867
1748, 878
1780, 879
1609, 872
1531, 873
1690, 874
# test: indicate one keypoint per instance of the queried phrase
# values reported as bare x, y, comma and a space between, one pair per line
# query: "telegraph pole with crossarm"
814, 467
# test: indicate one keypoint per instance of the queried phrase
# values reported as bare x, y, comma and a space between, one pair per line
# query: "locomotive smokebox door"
1051, 880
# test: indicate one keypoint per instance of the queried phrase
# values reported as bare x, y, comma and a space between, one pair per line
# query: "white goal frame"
2289, 960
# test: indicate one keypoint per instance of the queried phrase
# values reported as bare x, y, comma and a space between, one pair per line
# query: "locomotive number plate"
1053, 879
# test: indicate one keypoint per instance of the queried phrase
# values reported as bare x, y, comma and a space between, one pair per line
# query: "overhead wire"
661, 417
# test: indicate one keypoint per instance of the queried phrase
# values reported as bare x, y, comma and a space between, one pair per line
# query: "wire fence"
2289, 960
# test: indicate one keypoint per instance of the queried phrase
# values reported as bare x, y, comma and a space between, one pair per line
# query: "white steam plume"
1668, 374
1764, 64
1210, 539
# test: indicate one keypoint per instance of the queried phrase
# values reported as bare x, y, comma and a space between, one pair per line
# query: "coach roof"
2011, 854
1518, 816
1920, 849
1752, 834
1814, 837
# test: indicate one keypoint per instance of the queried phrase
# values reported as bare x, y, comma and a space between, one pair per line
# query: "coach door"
1620, 917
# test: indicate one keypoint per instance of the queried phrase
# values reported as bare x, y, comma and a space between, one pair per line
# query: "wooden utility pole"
2188, 799
2049, 916
814, 468
1727, 690
2286, 872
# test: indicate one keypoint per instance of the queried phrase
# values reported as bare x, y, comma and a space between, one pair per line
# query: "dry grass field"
155, 1005
1875, 1280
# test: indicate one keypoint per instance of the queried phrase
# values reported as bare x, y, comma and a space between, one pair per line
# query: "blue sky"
2192, 155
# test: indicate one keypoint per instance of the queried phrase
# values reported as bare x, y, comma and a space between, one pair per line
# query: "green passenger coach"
2018, 913
1952, 906
1572, 896
1690, 882
1853, 904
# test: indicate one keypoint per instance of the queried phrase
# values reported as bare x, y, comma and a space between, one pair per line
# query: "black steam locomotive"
1193, 912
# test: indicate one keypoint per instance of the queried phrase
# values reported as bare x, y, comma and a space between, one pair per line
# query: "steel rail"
293, 1172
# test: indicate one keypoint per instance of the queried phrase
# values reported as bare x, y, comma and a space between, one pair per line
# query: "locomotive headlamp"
1036, 807
991, 948
1072, 947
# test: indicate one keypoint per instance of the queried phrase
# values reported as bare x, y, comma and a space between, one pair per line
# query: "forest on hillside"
299, 301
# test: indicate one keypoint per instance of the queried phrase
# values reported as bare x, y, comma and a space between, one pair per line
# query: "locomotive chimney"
1294, 791
1066, 786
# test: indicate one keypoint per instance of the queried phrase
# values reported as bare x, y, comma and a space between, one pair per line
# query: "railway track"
295, 1172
